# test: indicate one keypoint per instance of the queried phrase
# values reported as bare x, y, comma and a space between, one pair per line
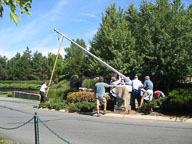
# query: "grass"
5, 94
4, 140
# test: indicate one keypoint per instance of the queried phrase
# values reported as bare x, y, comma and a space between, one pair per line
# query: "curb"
135, 116
149, 117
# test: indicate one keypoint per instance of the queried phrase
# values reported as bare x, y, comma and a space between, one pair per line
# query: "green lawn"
4, 140
5, 94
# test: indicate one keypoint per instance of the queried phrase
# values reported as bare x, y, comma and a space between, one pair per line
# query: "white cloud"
90, 34
80, 20
33, 34
90, 15
59, 6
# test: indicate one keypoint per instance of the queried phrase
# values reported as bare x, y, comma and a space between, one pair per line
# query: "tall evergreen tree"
13, 68
25, 65
74, 63
113, 43
3, 72
39, 66
59, 68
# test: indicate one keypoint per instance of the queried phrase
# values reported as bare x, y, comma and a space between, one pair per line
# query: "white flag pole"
110, 67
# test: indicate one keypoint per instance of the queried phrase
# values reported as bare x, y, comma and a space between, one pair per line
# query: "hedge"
179, 100
89, 83
74, 97
82, 107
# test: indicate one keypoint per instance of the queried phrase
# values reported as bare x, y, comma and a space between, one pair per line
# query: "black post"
36, 127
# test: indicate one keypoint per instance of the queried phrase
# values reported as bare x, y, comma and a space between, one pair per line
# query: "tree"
113, 43
163, 32
187, 38
19, 67
74, 62
3, 63
133, 19
59, 68
24, 6
25, 65
13, 70
39, 66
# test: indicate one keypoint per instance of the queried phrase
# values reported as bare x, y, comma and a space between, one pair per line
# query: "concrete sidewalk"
151, 116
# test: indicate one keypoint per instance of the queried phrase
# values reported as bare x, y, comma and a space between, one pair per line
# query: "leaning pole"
110, 67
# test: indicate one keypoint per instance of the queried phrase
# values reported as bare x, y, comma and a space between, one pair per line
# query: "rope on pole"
36, 128
107, 65
17, 126
55, 64
54, 132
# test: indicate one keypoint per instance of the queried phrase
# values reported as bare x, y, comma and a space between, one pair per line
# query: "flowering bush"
74, 97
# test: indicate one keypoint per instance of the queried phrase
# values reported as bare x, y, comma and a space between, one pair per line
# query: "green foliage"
39, 65
39, 82
19, 67
30, 85
24, 6
30, 67
89, 83
82, 107
2, 138
155, 40
63, 84
74, 63
179, 100
54, 103
58, 104
74, 97
3, 62
59, 68
148, 105
60, 90
5, 94
68, 91
58, 93
113, 43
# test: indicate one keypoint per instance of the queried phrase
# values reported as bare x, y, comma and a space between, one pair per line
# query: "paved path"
85, 129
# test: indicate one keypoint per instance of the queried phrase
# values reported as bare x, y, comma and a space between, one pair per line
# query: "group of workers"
140, 91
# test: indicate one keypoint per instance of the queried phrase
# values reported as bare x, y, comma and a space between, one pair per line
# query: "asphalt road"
85, 129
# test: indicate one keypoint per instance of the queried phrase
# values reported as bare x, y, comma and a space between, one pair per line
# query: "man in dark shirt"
148, 86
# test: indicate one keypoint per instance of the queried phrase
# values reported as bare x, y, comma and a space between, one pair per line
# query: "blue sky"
74, 18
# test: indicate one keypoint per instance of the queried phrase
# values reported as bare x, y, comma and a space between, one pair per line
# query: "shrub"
20, 86
60, 90
54, 103
82, 107
148, 105
89, 83
64, 84
179, 100
74, 97
68, 91
60, 93
43, 105
56, 93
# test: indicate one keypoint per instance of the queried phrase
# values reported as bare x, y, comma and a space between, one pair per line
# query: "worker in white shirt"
136, 85
43, 89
